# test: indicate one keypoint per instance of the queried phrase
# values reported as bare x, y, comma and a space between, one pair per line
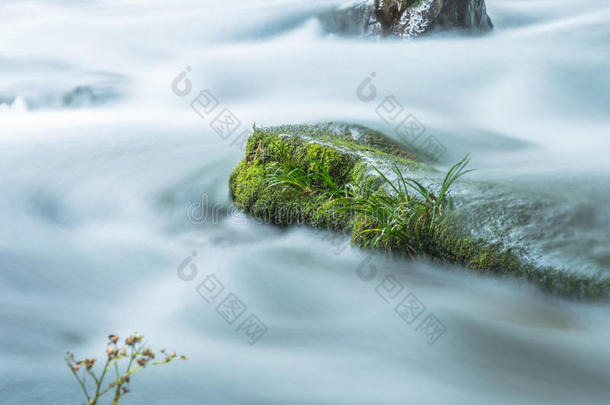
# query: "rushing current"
116, 216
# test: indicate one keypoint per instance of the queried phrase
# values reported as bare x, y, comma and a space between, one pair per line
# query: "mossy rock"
348, 153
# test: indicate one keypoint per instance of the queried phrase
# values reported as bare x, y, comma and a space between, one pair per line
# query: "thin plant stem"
80, 382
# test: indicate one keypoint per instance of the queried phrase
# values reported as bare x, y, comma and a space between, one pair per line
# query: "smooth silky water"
110, 181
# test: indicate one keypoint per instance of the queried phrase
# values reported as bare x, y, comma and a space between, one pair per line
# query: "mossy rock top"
350, 155
348, 138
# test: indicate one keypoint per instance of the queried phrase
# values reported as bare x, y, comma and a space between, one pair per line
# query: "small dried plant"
133, 353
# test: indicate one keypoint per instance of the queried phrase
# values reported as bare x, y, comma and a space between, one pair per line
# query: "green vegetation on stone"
328, 176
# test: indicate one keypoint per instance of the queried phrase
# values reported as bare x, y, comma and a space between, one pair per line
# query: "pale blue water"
101, 163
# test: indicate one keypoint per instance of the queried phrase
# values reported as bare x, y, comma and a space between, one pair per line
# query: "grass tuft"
386, 217
384, 214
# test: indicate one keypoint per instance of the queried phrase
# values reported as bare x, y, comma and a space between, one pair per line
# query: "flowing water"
110, 182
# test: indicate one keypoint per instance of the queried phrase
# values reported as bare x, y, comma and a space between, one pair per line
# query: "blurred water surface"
101, 161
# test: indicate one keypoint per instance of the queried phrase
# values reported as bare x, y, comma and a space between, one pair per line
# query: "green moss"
281, 205
245, 183
345, 152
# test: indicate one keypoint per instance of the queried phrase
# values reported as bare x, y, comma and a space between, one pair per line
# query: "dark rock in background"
468, 15
406, 18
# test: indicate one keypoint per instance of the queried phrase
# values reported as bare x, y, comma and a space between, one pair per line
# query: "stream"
116, 216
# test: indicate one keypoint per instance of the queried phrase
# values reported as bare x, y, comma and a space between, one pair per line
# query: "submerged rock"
90, 95
324, 161
406, 18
